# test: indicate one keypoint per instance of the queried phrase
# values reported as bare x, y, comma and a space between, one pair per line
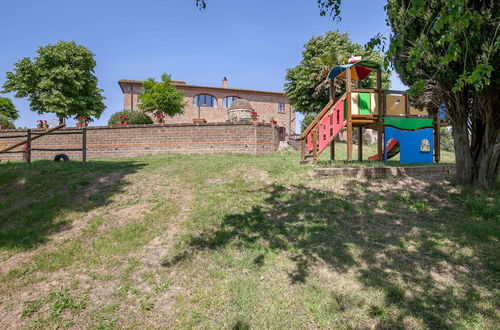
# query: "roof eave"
184, 85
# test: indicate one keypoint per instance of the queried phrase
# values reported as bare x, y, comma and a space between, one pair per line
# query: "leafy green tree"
307, 84
306, 121
59, 80
201, 4
450, 54
6, 123
447, 140
161, 97
7, 109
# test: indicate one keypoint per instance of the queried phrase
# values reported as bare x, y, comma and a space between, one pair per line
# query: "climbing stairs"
323, 129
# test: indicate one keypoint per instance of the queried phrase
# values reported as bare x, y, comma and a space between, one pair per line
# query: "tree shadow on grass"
433, 258
35, 198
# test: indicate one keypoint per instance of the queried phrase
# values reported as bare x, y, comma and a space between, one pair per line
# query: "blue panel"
442, 112
410, 144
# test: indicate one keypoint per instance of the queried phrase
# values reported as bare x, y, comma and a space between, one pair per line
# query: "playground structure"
401, 128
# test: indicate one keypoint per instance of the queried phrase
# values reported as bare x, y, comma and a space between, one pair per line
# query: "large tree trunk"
477, 148
486, 152
463, 157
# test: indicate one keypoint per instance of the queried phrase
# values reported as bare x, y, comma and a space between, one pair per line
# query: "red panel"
329, 126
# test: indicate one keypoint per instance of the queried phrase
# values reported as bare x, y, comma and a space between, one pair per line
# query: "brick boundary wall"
139, 140
382, 172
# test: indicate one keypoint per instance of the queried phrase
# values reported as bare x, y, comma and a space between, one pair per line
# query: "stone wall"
383, 172
138, 140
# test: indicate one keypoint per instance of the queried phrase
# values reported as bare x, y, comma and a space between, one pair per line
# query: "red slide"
392, 150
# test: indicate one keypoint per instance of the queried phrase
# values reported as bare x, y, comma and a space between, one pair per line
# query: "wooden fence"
31, 136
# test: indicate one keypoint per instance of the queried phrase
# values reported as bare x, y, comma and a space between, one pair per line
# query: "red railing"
326, 125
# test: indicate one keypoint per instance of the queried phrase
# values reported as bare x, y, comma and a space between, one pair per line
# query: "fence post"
84, 146
315, 145
28, 147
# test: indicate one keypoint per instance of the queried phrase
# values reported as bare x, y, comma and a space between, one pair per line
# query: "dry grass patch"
240, 241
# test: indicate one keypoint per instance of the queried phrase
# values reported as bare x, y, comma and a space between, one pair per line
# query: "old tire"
60, 157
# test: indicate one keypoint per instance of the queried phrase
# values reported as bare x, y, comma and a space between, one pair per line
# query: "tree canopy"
59, 80
161, 97
307, 84
449, 55
7, 109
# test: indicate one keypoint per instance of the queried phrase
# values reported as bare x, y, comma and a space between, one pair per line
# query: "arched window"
205, 100
226, 103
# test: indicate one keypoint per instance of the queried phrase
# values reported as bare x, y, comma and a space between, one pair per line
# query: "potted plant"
42, 124
160, 118
123, 121
254, 116
273, 121
82, 121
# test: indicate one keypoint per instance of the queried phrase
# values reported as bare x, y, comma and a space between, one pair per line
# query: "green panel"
345, 110
364, 103
408, 123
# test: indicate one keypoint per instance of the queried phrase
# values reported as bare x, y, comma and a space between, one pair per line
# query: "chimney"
224, 82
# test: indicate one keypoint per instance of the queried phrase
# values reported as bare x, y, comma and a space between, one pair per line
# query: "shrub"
447, 143
6, 123
134, 118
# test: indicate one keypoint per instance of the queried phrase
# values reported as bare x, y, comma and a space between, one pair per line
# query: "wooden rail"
320, 115
33, 136
15, 145
363, 90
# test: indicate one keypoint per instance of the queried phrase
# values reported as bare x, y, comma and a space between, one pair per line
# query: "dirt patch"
152, 254
130, 213
108, 180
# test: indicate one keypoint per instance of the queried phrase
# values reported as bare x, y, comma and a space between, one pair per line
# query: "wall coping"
145, 126
381, 172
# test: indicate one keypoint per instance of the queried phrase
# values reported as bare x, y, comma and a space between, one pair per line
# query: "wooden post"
303, 147
349, 114
84, 146
331, 91
380, 121
360, 144
437, 139
28, 147
332, 150
407, 105
315, 145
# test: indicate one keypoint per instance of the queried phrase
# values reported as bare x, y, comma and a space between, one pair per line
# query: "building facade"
212, 103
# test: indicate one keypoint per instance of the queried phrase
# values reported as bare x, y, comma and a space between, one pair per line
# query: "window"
425, 146
204, 100
281, 107
226, 103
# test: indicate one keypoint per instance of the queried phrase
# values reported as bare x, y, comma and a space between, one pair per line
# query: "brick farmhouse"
212, 103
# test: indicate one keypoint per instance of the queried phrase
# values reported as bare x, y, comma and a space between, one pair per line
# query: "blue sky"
252, 42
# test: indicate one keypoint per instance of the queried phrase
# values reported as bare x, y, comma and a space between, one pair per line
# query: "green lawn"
240, 242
